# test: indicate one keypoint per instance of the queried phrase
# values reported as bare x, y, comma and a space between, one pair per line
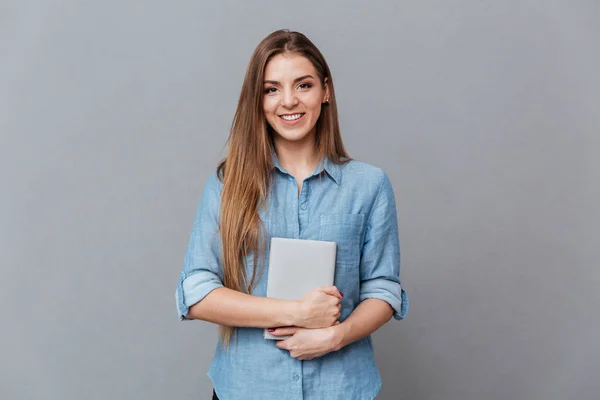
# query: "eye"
270, 90
305, 85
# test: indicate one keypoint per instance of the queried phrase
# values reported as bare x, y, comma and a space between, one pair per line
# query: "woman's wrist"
339, 336
291, 313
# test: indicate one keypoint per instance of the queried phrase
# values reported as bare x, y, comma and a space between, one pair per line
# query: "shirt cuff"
389, 291
193, 289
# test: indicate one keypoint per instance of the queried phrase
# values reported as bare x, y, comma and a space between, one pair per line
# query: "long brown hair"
246, 170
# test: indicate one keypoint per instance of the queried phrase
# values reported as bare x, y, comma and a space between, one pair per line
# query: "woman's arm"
201, 294
306, 344
318, 308
232, 308
370, 315
380, 296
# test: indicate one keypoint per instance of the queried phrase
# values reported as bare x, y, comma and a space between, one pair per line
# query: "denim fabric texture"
351, 204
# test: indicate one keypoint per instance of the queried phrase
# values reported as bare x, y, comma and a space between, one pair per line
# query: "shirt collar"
333, 170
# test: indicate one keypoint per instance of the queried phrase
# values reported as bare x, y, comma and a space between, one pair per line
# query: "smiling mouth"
291, 117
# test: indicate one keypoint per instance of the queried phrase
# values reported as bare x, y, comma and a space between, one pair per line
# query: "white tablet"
296, 266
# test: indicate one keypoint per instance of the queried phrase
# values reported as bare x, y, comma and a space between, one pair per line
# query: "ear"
326, 87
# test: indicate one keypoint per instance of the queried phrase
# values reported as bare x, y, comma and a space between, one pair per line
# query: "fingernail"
342, 294
271, 330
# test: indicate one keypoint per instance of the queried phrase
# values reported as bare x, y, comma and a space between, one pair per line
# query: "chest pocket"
347, 231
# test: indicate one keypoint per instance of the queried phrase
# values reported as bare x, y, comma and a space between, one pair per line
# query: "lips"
291, 119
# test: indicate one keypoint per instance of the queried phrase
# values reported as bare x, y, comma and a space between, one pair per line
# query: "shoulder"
211, 192
357, 173
213, 184
373, 187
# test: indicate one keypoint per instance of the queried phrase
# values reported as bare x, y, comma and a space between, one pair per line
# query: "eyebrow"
295, 80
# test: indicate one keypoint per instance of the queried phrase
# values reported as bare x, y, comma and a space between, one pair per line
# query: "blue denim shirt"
351, 204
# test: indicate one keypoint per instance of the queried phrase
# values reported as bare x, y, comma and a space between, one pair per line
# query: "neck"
299, 158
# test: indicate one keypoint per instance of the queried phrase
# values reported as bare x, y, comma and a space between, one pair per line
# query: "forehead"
284, 67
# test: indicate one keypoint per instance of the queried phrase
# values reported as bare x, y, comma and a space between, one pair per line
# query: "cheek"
314, 104
269, 108
316, 110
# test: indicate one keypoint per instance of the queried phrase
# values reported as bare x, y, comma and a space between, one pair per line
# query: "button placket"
303, 206
295, 229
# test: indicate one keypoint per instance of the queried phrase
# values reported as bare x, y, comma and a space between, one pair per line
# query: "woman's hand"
319, 308
306, 344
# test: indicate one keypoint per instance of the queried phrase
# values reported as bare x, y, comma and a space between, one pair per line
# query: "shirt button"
304, 206
295, 377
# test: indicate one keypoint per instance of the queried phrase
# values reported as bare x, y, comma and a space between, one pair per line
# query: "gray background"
484, 114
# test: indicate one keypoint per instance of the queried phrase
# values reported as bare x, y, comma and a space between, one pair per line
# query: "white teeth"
291, 117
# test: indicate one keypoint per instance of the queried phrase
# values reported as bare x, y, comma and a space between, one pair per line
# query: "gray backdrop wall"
484, 114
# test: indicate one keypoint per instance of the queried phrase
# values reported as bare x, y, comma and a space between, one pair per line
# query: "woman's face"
293, 95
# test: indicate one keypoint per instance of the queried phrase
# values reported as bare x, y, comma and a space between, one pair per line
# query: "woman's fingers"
290, 330
332, 291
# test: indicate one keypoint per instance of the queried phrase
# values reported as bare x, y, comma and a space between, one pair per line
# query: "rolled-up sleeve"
202, 271
380, 258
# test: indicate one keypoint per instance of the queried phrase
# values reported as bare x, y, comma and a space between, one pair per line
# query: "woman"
287, 174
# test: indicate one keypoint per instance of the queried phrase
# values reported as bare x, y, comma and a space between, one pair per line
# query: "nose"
289, 99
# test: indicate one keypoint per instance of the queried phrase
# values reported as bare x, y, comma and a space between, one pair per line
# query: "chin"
298, 134
292, 136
